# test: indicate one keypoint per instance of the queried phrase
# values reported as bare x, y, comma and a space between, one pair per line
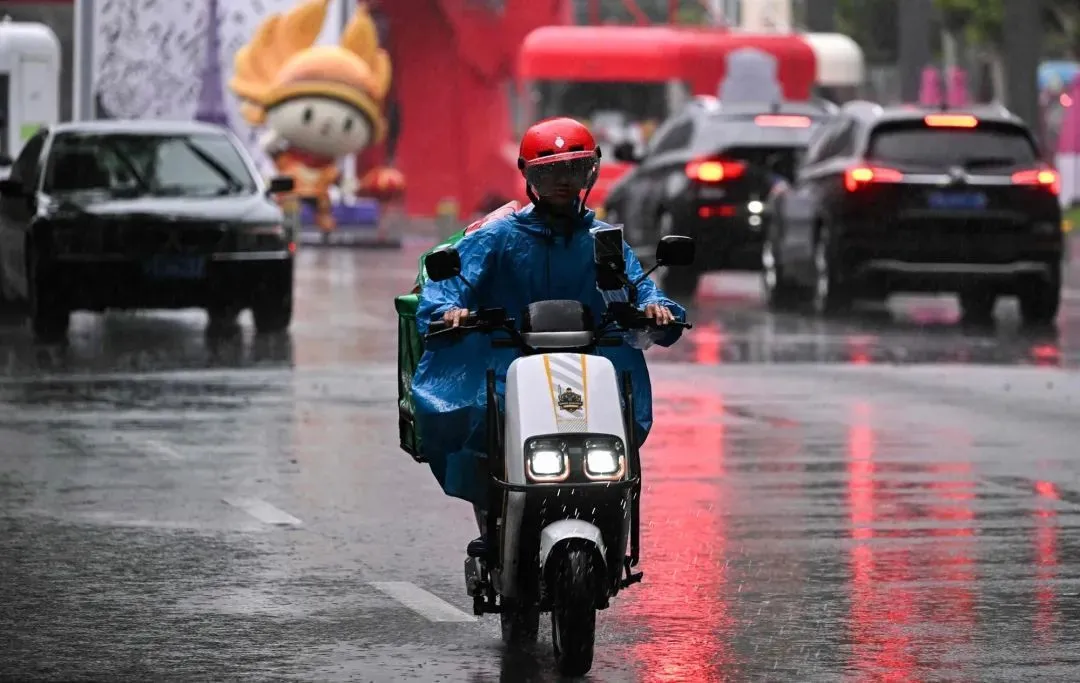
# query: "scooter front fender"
563, 530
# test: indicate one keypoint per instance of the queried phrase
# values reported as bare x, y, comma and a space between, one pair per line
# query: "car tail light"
860, 176
1041, 177
780, 121
951, 121
714, 170
719, 211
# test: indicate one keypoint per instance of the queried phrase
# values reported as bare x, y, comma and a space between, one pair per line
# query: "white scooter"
565, 474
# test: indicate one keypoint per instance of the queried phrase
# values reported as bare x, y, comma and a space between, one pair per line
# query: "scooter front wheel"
573, 614
520, 622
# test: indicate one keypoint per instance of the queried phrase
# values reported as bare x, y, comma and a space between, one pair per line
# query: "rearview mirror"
624, 152
442, 264
281, 183
609, 259
675, 250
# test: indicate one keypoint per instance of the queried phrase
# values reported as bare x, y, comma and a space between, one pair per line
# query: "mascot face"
320, 125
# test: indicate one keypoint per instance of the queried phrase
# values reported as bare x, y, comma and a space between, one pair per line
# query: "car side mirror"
281, 183
443, 264
624, 152
675, 250
11, 188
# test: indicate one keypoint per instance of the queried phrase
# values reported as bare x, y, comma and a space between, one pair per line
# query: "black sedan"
708, 173
143, 215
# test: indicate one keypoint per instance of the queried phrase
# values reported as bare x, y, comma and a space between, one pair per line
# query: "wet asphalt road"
888, 497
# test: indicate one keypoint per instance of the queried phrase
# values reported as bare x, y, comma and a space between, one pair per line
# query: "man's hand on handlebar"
661, 315
455, 316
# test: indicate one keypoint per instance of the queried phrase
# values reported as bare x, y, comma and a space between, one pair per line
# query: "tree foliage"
980, 21
873, 25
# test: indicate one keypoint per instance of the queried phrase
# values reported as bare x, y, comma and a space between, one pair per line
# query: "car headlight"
547, 462
604, 460
262, 237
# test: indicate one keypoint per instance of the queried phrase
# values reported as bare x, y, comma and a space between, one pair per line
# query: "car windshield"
141, 164
983, 147
721, 131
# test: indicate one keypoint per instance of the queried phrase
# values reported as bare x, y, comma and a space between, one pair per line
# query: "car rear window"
985, 146
721, 132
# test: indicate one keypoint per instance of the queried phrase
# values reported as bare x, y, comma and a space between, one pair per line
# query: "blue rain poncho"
512, 262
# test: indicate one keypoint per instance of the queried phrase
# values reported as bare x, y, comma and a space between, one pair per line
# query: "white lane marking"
427, 605
161, 450
263, 511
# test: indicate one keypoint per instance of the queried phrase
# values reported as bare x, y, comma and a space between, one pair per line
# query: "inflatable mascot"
318, 103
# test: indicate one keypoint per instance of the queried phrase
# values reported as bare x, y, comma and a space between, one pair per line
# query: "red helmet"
558, 151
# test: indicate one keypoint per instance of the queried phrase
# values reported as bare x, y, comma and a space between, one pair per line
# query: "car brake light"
714, 171
951, 121
857, 177
775, 121
1042, 177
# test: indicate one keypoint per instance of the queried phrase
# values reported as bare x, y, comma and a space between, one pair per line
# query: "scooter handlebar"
473, 323
440, 328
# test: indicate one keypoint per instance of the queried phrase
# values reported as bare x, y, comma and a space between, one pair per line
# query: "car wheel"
977, 305
780, 292
272, 317
831, 295
680, 283
273, 307
49, 317
221, 319
1040, 301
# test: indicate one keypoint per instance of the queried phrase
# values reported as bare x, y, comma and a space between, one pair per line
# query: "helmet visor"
549, 176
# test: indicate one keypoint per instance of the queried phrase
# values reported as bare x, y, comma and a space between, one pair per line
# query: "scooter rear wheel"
573, 615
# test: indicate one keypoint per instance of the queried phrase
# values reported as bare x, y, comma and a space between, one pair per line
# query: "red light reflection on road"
708, 343
1046, 561
887, 604
682, 599
1046, 354
859, 350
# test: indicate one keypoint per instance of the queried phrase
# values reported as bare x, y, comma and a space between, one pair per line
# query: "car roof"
137, 126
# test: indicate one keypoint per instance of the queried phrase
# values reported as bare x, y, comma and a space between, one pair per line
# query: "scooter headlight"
547, 462
604, 460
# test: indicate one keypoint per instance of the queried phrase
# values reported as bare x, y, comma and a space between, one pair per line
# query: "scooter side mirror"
609, 259
443, 264
675, 250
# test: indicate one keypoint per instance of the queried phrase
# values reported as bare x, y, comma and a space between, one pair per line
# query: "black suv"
911, 200
707, 173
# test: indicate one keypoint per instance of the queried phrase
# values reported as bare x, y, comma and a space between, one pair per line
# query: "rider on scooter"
543, 252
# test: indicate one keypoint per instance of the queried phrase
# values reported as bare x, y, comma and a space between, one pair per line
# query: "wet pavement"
887, 497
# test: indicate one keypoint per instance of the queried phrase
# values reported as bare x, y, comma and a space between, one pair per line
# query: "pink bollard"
957, 95
930, 94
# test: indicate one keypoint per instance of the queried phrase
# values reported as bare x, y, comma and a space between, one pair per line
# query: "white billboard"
147, 58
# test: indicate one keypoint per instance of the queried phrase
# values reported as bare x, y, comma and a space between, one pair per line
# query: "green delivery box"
411, 345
